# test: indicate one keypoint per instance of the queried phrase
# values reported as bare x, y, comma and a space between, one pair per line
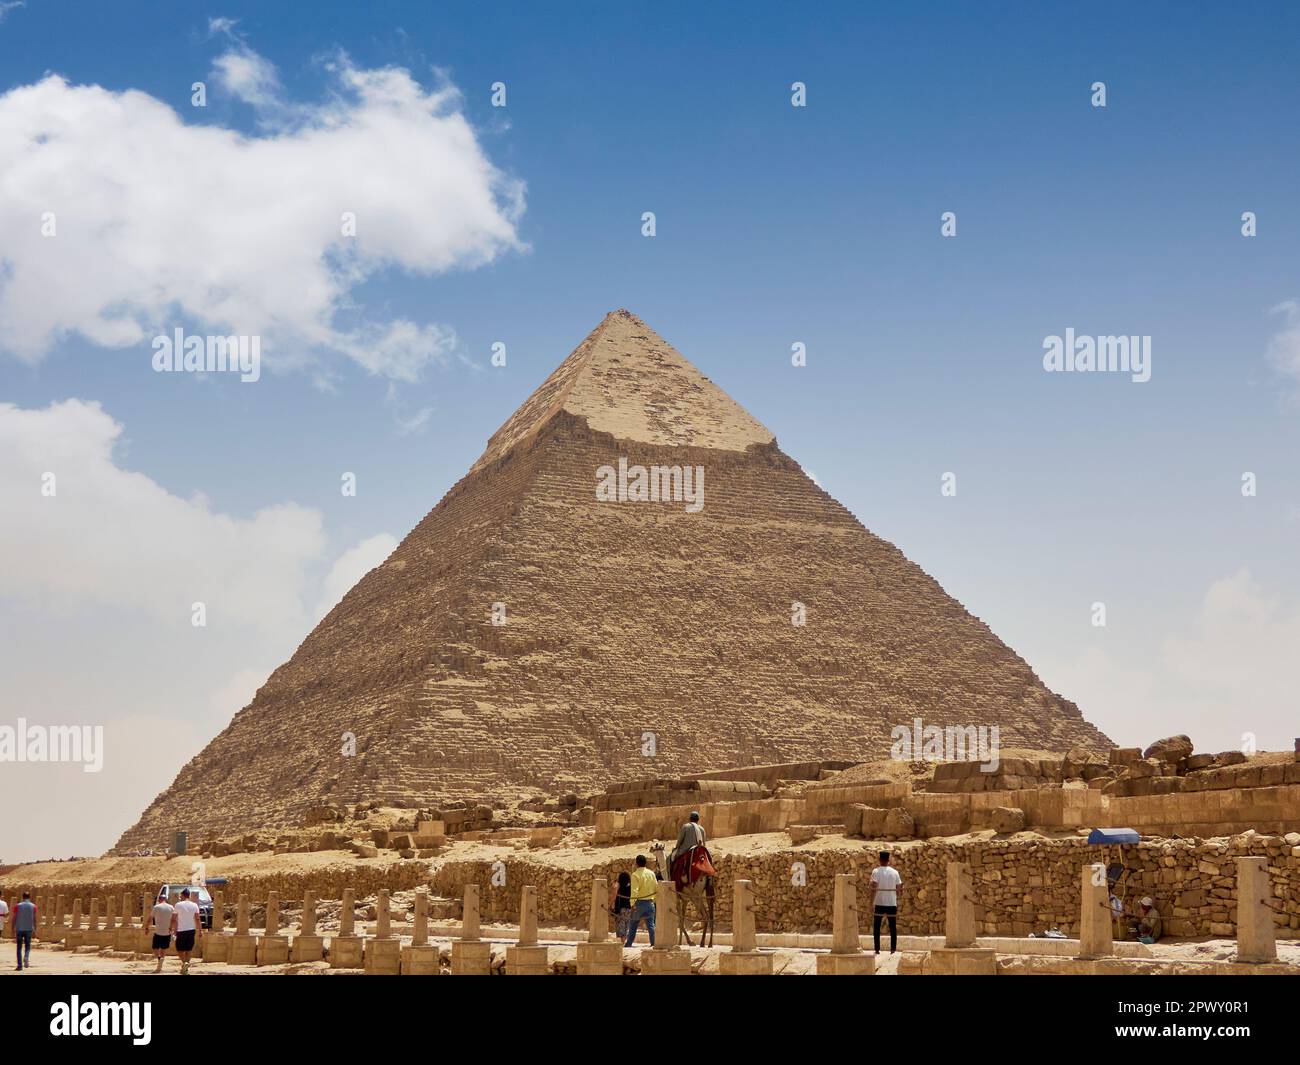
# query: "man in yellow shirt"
644, 889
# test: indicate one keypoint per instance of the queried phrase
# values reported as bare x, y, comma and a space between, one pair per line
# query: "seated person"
1146, 923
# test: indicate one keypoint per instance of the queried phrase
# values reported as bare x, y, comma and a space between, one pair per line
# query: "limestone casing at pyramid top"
626, 380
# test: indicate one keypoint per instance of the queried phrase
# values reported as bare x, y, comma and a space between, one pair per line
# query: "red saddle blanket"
691, 866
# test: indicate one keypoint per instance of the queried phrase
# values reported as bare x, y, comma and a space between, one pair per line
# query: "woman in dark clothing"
621, 903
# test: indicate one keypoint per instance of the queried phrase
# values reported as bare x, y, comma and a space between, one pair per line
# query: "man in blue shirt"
23, 923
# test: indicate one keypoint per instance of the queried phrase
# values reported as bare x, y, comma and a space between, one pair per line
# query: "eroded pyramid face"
540, 632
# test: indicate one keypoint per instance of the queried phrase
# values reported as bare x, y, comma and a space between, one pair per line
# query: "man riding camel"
691, 836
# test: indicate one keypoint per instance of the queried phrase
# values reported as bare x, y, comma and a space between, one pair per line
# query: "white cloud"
96, 585
162, 222
8, 6
1284, 347
110, 535
249, 77
1230, 669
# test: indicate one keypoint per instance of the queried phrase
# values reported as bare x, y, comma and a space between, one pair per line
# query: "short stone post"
144, 938
527, 957
959, 918
124, 937
470, 956
421, 958
59, 933
243, 944
1256, 937
420, 923
666, 957
1096, 934
744, 957
383, 953
846, 957
274, 947
598, 956
76, 935
959, 956
108, 931
346, 951
307, 945
216, 944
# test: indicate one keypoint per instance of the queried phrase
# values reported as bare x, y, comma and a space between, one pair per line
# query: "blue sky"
775, 224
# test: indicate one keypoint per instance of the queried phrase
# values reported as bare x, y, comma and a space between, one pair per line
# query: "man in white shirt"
885, 883
161, 919
188, 925
4, 916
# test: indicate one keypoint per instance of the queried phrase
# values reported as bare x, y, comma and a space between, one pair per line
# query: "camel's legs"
681, 921
709, 919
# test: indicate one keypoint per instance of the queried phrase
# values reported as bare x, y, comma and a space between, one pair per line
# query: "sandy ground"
49, 961
54, 961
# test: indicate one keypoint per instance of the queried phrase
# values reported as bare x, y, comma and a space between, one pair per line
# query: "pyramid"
529, 636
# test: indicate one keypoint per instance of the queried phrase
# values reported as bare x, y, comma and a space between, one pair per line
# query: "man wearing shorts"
188, 925
884, 901
162, 918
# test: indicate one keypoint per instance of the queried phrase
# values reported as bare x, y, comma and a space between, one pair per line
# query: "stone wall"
324, 883
1020, 886
1198, 812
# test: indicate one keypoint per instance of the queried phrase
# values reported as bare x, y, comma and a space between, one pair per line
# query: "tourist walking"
23, 921
162, 919
885, 883
644, 889
4, 914
188, 926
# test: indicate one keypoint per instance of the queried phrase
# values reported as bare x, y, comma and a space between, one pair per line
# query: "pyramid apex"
626, 380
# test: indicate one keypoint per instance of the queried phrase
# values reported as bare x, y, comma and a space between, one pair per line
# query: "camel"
697, 897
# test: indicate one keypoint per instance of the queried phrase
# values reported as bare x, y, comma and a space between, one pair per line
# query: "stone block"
899, 823
216, 947
525, 960
1007, 819
423, 960
243, 950
846, 964
307, 948
273, 950
666, 961
346, 952
471, 958
962, 961
382, 957
600, 959
748, 963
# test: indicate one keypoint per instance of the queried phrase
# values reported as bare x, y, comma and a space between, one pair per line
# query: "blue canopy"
1104, 836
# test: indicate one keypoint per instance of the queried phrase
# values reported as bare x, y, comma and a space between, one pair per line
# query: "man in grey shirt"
691, 835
